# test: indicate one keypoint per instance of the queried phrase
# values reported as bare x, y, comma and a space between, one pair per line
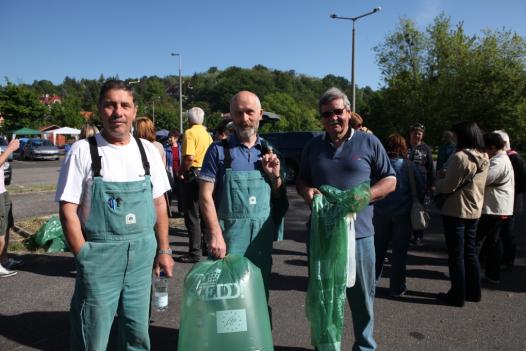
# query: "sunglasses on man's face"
336, 111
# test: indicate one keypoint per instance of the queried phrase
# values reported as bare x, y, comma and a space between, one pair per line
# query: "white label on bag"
231, 321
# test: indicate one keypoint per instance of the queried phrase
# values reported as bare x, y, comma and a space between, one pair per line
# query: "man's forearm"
161, 226
383, 188
71, 226
208, 209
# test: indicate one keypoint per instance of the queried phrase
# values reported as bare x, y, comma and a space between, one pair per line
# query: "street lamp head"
376, 9
174, 54
333, 15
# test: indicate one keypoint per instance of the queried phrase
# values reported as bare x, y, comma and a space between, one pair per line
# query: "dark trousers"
464, 268
488, 234
192, 216
509, 248
397, 230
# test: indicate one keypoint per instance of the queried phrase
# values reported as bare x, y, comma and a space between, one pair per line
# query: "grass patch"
19, 243
38, 188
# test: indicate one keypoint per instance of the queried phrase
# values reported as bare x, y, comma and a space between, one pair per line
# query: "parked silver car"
39, 149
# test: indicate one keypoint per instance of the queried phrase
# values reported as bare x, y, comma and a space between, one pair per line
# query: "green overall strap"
95, 157
228, 157
96, 165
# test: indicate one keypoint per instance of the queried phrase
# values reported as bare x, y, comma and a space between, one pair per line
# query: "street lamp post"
353, 80
153, 107
180, 93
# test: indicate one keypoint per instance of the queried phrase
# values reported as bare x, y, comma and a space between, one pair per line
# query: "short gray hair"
333, 94
504, 137
196, 115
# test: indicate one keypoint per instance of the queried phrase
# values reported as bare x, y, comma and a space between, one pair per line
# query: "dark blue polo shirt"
243, 159
358, 159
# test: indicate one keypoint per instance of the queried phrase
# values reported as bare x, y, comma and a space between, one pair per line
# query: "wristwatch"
166, 251
273, 177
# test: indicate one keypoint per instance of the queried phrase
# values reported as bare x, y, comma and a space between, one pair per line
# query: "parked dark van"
290, 145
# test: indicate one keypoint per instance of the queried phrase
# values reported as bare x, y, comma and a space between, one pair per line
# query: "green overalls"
114, 266
249, 218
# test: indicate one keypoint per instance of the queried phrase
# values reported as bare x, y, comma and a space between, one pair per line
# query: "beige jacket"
461, 166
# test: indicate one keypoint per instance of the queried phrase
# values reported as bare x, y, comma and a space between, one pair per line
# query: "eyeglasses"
417, 126
336, 111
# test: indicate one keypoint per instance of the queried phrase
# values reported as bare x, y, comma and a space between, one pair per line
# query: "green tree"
442, 76
21, 107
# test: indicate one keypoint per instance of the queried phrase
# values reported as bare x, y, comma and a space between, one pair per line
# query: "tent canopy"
162, 133
26, 131
64, 130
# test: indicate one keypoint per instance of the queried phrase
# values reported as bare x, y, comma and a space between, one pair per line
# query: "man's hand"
163, 262
13, 145
217, 245
309, 194
271, 164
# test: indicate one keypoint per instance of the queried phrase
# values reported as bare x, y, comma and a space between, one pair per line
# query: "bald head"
246, 112
245, 96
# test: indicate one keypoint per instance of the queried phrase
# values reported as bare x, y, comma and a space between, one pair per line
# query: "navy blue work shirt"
360, 158
243, 159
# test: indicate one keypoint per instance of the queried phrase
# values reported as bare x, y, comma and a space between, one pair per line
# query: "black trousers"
192, 216
488, 234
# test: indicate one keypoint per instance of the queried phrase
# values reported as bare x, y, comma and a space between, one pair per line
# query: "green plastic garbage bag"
328, 264
224, 307
50, 233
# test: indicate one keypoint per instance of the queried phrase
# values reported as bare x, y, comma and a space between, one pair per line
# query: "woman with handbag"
392, 215
463, 180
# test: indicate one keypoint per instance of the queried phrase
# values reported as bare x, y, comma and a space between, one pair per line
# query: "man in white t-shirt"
114, 218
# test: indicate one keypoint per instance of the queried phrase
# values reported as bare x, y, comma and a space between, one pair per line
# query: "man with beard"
196, 141
242, 190
343, 158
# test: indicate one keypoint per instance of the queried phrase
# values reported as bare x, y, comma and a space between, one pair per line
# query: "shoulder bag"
419, 215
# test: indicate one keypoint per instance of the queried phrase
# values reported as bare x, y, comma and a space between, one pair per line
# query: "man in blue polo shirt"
343, 158
242, 191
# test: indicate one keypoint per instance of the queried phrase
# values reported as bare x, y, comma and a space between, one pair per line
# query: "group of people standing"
114, 212
477, 189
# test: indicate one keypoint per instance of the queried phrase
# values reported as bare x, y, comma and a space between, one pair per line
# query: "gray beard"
246, 133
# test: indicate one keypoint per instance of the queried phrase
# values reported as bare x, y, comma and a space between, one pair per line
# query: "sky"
49, 40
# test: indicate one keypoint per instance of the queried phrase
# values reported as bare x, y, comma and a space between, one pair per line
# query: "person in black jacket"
420, 153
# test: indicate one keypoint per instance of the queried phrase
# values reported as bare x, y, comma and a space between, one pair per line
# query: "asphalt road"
30, 173
34, 308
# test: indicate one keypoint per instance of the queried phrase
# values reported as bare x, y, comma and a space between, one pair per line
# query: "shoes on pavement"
4, 273
11, 263
448, 299
491, 280
398, 295
188, 258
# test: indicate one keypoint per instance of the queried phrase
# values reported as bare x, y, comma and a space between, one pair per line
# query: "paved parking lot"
34, 308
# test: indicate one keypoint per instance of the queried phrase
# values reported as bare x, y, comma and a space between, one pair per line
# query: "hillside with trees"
438, 76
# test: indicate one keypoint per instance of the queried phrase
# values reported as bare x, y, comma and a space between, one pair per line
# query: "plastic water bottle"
160, 292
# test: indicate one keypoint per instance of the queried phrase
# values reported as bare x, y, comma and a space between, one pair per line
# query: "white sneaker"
12, 263
4, 273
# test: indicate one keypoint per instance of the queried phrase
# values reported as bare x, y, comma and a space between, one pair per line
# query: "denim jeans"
397, 230
361, 295
464, 268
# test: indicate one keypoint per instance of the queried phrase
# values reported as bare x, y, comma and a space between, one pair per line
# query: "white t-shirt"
2, 178
118, 163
